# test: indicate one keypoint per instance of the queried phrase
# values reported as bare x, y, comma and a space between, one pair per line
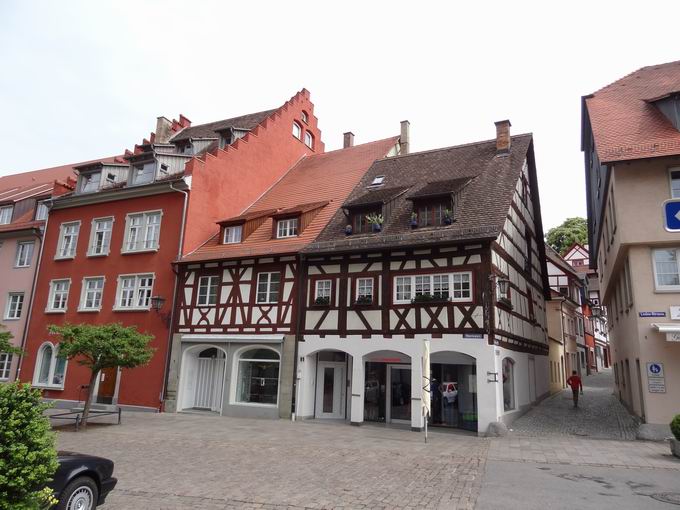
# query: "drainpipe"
564, 346
298, 335
174, 293
24, 337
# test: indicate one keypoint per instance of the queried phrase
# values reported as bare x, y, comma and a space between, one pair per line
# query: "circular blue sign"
654, 368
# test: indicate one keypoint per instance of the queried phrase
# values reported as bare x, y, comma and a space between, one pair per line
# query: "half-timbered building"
446, 246
234, 340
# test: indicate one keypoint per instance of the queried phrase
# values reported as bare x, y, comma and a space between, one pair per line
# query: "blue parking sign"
671, 214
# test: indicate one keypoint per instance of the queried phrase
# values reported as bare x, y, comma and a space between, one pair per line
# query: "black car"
82, 482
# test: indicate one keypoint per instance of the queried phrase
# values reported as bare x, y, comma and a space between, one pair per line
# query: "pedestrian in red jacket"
575, 382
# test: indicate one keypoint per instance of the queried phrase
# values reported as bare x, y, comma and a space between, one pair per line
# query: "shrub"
27, 455
675, 426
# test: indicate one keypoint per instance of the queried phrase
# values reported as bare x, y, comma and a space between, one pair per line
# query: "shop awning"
671, 330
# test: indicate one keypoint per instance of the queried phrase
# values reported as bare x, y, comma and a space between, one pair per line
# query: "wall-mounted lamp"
596, 311
157, 302
503, 286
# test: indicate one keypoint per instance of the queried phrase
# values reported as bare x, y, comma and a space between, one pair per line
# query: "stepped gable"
318, 183
485, 183
625, 123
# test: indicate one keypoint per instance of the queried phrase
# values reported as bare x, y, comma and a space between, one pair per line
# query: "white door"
330, 390
209, 383
532, 380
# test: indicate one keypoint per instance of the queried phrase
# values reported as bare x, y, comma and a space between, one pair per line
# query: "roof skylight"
378, 180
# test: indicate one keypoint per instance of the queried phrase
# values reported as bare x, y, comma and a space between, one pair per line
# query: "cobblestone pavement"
166, 461
599, 415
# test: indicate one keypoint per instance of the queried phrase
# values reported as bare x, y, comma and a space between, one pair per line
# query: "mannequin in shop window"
450, 397
436, 394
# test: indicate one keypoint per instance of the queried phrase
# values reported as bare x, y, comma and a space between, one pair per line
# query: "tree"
28, 458
572, 230
100, 346
6, 344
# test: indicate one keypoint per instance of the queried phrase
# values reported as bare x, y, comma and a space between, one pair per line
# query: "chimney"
502, 137
405, 137
163, 130
348, 140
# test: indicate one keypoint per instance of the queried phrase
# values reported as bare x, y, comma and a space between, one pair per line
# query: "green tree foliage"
675, 426
100, 346
27, 455
572, 230
5, 342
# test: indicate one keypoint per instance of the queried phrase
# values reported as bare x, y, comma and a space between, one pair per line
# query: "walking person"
575, 383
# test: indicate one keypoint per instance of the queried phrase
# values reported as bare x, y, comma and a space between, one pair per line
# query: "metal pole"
427, 415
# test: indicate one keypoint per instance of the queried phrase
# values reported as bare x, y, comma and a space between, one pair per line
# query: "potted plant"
364, 300
675, 429
322, 301
414, 220
448, 217
429, 298
348, 230
376, 221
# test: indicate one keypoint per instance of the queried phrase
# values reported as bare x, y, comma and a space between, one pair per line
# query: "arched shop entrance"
453, 389
203, 378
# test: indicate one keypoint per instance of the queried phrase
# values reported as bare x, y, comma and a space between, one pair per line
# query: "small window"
297, 130
564, 291
675, 182
258, 377
434, 214
508, 384
15, 304
360, 223
322, 293
233, 234
666, 273
403, 288
6, 214
41, 211
268, 287
91, 294
378, 180
5, 365
364, 291
305, 117
143, 231
89, 182
68, 240
134, 292
143, 173
100, 241
309, 140
24, 254
164, 168
49, 368
207, 291
58, 296
110, 178
287, 228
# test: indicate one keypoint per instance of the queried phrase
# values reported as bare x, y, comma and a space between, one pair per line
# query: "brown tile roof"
211, 129
376, 196
439, 188
320, 180
479, 214
625, 124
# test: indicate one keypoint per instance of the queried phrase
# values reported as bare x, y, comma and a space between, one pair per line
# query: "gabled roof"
45, 175
212, 129
317, 184
439, 188
624, 121
13, 195
559, 262
482, 205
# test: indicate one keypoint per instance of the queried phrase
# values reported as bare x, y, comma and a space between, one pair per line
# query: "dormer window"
233, 234
433, 213
143, 173
297, 130
378, 180
360, 220
6, 214
287, 228
309, 140
90, 182
110, 178
164, 169
305, 117
41, 211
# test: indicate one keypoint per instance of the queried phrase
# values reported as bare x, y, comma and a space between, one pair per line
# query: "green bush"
28, 458
675, 426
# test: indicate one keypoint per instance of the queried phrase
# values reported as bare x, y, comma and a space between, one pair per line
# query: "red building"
114, 232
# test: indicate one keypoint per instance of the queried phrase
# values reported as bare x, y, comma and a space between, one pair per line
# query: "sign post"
425, 392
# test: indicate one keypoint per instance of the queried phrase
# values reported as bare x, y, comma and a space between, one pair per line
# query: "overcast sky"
82, 80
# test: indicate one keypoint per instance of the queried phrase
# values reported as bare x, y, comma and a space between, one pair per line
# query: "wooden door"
107, 385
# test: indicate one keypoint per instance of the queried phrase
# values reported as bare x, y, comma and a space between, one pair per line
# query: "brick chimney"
348, 140
163, 130
405, 137
503, 137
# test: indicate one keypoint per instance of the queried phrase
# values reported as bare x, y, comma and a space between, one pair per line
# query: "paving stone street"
177, 461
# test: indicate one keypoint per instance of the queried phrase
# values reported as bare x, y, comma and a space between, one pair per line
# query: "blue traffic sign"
671, 214
654, 368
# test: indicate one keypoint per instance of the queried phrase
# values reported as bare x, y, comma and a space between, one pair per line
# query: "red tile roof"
44, 175
321, 181
625, 124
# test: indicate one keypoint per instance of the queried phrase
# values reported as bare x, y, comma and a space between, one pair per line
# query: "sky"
81, 80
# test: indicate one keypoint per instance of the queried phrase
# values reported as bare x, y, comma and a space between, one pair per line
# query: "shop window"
258, 377
508, 384
49, 369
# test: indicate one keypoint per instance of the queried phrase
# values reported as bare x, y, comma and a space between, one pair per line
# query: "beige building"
631, 144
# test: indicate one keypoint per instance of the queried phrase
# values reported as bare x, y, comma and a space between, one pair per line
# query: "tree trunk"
88, 400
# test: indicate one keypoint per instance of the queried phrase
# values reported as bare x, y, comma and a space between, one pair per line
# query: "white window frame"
18, 309
288, 227
236, 370
5, 365
24, 258
144, 228
233, 234
309, 139
665, 288
359, 293
106, 243
209, 285
670, 180
50, 297
6, 219
136, 288
430, 285
60, 255
50, 373
84, 290
297, 130
269, 287
41, 206
324, 286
